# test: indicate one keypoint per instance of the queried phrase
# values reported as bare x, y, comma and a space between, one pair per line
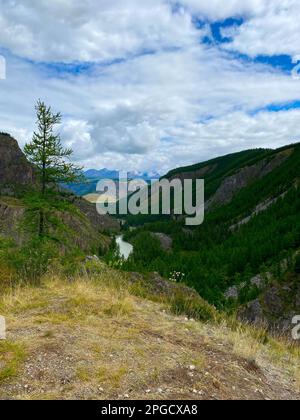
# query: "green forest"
214, 256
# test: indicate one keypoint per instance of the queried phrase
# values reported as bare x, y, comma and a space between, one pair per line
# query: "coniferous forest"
219, 253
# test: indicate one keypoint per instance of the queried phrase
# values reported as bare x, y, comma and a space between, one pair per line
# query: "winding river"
125, 247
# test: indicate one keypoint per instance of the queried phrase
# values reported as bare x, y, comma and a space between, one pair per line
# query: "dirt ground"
85, 341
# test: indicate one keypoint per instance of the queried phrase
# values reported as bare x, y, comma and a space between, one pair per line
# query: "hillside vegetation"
251, 226
72, 228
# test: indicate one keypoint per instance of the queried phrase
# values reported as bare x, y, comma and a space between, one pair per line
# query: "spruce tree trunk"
42, 217
41, 224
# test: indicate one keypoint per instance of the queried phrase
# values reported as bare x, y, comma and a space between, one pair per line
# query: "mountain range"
114, 174
93, 176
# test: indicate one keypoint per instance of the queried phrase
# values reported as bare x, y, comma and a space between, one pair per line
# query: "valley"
149, 203
153, 309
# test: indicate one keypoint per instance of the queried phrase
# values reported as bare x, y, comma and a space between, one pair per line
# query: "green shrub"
32, 260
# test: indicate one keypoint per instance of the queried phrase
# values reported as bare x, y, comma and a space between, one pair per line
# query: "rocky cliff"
15, 171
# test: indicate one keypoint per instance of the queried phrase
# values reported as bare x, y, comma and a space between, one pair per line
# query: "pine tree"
49, 157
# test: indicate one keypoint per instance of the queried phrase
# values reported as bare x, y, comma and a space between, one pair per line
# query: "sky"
155, 84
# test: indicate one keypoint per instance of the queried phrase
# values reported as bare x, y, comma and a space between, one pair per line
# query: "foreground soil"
87, 340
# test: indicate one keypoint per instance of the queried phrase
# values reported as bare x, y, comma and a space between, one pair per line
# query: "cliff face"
102, 223
234, 183
11, 213
15, 171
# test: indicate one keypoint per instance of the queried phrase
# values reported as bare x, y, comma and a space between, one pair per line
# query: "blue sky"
155, 84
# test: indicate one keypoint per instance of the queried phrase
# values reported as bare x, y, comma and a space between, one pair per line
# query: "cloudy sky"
153, 84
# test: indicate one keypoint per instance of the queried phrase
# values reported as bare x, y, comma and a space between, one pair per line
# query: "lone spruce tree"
49, 157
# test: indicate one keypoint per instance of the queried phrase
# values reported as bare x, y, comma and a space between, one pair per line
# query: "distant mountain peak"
102, 173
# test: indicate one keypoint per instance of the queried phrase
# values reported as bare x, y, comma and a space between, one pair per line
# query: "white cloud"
99, 30
91, 30
183, 103
220, 9
273, 30
77, 136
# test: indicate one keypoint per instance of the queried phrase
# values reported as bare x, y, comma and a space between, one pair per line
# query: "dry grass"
90, 338
259, 349
11, 201
241, 339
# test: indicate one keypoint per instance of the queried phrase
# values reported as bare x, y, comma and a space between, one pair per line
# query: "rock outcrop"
102, 223
15, 171
276, 306
166, 241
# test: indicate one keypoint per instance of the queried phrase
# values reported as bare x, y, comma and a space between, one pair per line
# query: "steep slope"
15, 171
17, 177
94, 339
226, 176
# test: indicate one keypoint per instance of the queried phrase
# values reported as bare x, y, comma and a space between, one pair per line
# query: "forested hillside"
252, 226
72, 226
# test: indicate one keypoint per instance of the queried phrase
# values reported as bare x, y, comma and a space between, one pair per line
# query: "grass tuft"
11, 358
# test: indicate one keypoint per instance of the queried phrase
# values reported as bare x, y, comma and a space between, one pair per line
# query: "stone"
232, 293
166, 241
258, 281
252, 312
273, 301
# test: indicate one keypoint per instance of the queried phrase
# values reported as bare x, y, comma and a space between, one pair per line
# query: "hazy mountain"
114, 174
102, 173
94, 175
